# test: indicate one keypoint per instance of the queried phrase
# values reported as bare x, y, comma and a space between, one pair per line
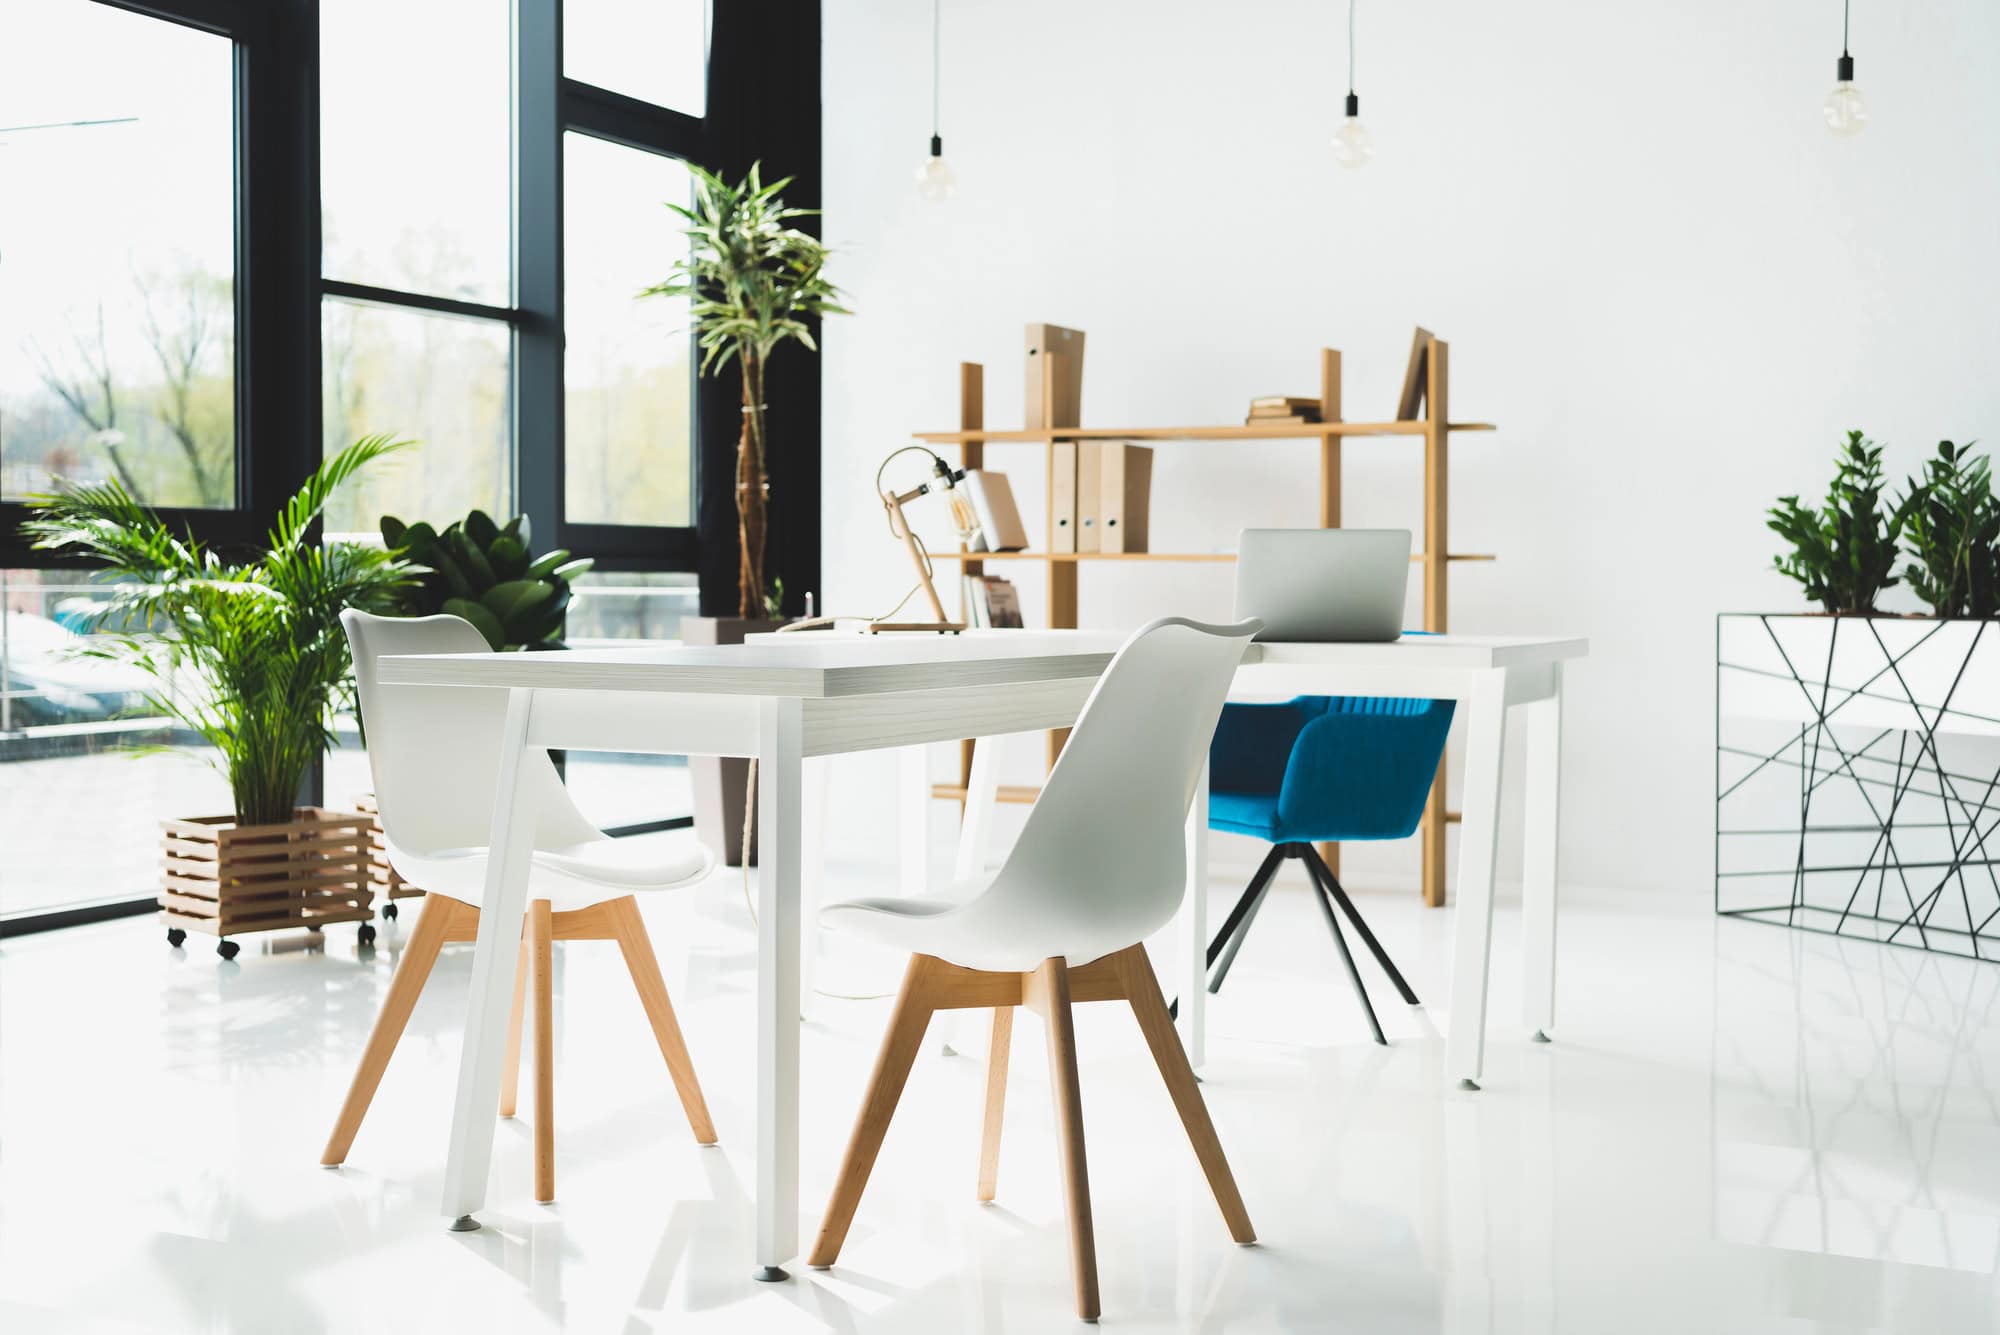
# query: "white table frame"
785, 703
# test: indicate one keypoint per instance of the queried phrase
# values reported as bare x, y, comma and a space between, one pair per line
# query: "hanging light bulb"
1352, 144
935, 178
1846, 111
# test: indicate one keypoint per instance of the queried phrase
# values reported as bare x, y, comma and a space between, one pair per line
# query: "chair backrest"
434, 751
1102, 858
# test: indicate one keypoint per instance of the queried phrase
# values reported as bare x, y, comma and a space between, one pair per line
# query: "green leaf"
545, 566
569, 570
393, 530
517, 597
479, 527
484, 621
508, 556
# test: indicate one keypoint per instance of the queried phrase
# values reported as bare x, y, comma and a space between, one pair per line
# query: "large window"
652, 50
117, 254
628, 401
415, 150
206, 282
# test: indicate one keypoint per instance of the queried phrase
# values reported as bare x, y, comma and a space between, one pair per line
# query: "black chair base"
1327, 893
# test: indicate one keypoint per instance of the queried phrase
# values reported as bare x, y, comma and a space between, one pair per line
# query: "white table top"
828, 664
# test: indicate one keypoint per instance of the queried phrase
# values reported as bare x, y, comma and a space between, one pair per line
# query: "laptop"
1324, 584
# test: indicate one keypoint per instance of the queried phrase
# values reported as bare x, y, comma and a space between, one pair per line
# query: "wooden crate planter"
386, 880
227, 879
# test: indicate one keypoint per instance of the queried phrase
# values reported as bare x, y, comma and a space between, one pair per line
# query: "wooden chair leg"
541, 939
996, 1100
1049, 990
892, 1070
411, 972
630, 929
510, 1078
1142, 990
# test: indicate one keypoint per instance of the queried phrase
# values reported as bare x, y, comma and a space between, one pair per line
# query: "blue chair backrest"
1337, 767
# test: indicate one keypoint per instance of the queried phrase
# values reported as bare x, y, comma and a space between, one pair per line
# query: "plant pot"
720, 781
225, 879
1857, 776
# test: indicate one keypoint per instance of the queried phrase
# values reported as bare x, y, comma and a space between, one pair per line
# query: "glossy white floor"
1739, 1129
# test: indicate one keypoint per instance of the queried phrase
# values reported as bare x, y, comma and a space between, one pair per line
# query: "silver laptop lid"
1338, 584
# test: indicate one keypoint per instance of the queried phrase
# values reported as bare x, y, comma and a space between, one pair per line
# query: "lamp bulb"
935, 178
1352, 144
1845, 109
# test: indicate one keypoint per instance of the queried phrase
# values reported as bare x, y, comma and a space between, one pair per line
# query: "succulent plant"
1843, 554
1954, 534
483, 572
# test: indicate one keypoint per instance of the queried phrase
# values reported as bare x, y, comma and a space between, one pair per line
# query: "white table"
783, 699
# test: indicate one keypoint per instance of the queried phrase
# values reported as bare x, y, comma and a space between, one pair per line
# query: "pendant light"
1845, 110
1352, 144
935, 179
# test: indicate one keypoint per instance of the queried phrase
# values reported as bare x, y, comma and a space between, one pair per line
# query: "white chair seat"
572, 876
960, 927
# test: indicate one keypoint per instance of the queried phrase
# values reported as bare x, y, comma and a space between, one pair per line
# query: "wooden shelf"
1416, 558
1293, 431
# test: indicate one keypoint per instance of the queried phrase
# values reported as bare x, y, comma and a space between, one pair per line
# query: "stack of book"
1280, 408
991, 601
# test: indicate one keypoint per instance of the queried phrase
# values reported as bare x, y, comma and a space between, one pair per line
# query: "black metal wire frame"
1905, 786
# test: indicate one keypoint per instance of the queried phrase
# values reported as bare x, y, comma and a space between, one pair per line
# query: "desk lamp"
893, 501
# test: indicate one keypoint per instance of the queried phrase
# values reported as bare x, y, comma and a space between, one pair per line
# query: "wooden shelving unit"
1434, 430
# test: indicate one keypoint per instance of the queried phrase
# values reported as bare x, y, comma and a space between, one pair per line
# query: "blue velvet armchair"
1321, 769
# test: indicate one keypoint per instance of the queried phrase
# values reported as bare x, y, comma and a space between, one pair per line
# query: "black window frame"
763, 105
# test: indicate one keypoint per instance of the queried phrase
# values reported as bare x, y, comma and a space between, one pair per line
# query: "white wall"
1665, 280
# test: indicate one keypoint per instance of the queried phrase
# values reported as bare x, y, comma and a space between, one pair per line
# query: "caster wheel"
389, 912
175, 936
227, 949
367, 934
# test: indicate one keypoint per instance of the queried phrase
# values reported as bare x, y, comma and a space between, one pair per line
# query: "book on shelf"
1282, 408
990, 601
993, 505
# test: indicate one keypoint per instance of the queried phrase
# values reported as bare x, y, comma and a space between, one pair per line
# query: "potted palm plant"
753, 283
249, 654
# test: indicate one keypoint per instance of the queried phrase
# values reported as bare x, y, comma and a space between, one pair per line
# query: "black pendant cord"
937, 78
1353, 102
1844, 5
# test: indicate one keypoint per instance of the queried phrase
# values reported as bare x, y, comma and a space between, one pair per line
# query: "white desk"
782, 699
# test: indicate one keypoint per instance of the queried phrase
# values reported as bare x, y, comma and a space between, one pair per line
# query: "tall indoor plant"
249, 654
753, 282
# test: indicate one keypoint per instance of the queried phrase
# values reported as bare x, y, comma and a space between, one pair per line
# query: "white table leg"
1478, 849
982, 794
914, 819
812, 873
1192, 1019
494, 954
1543, 799
778, 784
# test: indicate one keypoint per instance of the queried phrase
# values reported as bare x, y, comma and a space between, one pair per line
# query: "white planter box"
1858, 777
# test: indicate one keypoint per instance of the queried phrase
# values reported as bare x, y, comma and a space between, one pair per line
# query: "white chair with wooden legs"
433, 752
1099, 866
